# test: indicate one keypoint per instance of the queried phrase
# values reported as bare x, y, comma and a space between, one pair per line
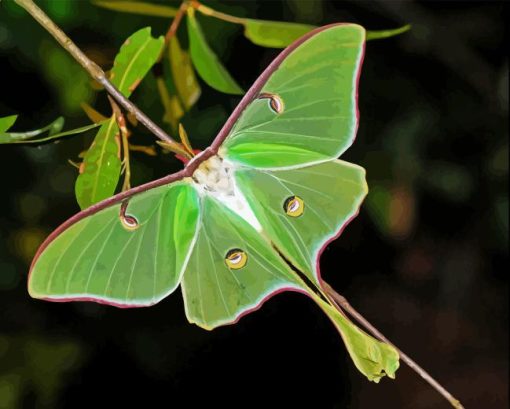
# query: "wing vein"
227, 310
121, 253
82, 253
156, 254
50, 279
99, 253
135, 261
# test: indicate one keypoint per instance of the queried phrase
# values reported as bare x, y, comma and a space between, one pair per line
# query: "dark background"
425, 260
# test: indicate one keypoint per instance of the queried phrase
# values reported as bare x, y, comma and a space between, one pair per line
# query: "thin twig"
91, 67
172, 30
341, 302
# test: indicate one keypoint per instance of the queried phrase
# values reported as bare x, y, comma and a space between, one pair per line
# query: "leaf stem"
91, 67
340, 302
217, 14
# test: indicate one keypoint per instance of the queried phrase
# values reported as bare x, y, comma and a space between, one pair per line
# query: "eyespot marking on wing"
294, 206
236, 259
275, 101
128, 222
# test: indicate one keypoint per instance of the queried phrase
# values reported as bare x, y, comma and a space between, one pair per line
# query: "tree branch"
92, 68
341, 303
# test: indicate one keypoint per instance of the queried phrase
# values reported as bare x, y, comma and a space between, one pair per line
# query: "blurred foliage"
431, 243
138, 7
38, 365
65, 76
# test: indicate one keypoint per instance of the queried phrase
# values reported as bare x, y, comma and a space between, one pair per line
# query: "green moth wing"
326, 196
129, 252
304, 109
278, 149
215, 293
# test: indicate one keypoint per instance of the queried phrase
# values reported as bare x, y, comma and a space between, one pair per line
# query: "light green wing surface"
100, 258
215, 294
315, 88
331, 193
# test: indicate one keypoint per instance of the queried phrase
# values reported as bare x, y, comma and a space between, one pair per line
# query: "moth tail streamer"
373, 358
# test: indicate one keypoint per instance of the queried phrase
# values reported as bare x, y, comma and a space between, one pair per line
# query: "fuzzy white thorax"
215, 177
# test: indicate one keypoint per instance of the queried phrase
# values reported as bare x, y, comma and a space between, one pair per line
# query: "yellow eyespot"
275, 101
236, 259
127, 221
294, 206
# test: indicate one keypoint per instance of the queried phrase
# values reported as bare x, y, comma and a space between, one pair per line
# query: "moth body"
216, 177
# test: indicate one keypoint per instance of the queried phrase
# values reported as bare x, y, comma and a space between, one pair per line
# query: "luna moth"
246, 218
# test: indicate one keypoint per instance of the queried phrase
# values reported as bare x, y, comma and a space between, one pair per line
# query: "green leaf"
20, 137
138, 7
378, 205
6, 122
206, 62
274, 34
100, 170
380, 34
68, 79
135, 58
183, 74
14, 137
